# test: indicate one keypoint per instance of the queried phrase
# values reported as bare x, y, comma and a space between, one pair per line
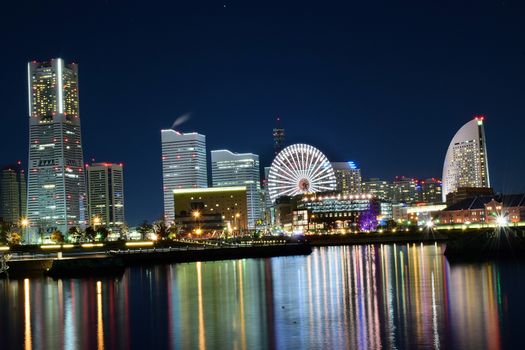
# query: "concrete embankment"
348, 239
113, 262
209, 254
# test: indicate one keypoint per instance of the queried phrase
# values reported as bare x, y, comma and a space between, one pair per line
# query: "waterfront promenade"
94, 258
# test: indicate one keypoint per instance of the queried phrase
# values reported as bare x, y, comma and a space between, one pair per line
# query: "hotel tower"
466, 160
56, 187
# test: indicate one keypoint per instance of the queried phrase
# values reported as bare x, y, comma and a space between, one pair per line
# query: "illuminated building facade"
105, 183
13, 194
336, 212
211, 210
466, 159
431, 191
183, 165
239, 169
405, 190
500, 209
379, 188
347, 176
56, 185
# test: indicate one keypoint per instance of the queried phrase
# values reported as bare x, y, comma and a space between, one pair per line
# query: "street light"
196, 214
96, 221
24, 222
501, 221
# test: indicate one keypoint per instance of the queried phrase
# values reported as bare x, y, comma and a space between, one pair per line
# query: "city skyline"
395, 118
262, 175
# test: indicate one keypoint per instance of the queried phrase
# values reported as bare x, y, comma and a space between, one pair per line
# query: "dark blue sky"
384, 83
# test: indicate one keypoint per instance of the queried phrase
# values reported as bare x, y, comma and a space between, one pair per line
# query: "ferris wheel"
299, 169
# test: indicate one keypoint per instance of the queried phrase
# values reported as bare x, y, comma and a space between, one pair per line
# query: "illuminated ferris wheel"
299, 169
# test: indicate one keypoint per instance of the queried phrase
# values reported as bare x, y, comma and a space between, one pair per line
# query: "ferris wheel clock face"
299, 169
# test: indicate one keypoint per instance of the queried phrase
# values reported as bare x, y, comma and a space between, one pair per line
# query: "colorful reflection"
27, 316
361, 297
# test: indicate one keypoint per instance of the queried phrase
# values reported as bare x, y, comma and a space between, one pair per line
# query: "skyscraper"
466, 159
56, 186
239, 169
105, 183
431, 190
183, 165
405, 190
348, 177
13, 194
278, 137
380, 188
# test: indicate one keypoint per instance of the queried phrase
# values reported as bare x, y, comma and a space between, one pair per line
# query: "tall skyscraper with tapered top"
56, 186
466, 163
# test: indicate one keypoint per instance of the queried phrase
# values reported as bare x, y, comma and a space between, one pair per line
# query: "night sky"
384, 85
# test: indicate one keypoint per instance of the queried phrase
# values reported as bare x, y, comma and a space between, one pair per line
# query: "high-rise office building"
278, 137
183, 165
405, 190
13, 195
431, 191
56, 185
105, 183
466, 162
379, 188
348, 177
239, 169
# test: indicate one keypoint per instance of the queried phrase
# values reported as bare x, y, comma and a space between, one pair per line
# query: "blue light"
352, 165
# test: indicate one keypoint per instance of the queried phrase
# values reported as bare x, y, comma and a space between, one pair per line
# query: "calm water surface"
359, 297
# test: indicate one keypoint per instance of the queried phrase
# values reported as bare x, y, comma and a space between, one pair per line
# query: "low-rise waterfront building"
489, 210
212, 210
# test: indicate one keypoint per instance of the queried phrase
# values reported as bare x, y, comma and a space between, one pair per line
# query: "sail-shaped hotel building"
466, 160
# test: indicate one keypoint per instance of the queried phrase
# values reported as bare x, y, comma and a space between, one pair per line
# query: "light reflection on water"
360, 297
